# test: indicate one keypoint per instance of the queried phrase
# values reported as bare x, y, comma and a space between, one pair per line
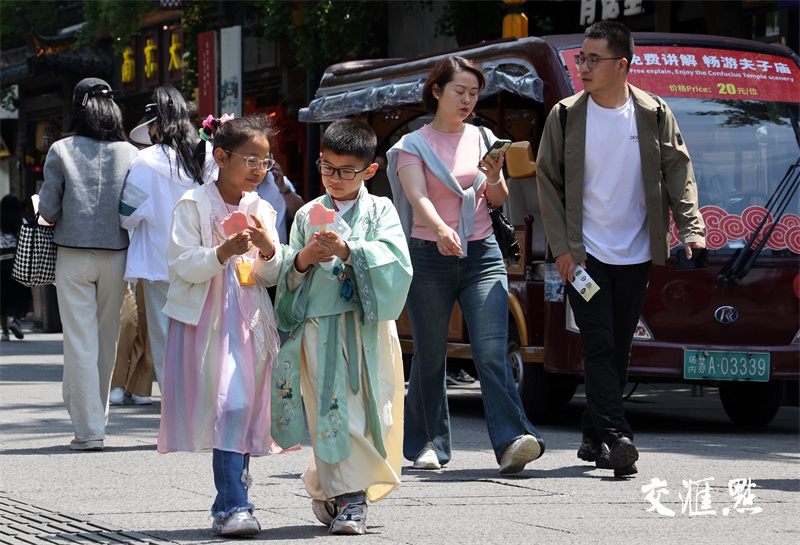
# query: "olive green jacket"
666, 170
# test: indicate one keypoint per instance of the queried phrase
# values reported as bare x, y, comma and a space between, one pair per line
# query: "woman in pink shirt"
439, 172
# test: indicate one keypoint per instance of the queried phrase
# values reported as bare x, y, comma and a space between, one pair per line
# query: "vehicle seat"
523, 197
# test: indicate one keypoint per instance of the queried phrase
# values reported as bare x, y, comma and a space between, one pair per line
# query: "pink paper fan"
320, 216
234, 222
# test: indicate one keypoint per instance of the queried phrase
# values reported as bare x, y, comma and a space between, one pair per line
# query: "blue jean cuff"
249, 507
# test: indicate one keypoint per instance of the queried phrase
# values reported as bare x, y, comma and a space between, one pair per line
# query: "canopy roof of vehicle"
517, 66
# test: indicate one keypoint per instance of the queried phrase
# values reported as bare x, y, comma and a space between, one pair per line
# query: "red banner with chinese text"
207, 73
700, 72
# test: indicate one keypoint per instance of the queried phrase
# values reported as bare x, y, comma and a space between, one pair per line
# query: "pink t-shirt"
460, 152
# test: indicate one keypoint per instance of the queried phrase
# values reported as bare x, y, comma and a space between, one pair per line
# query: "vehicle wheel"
750, 403
562, 389
543, 393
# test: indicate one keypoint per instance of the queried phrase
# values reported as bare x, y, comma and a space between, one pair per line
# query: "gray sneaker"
325, 510
16, 328
240, 523
352, 520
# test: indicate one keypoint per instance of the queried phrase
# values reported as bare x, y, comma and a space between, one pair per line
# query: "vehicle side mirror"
519, 160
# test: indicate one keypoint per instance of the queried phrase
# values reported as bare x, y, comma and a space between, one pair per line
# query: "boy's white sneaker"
427, 459
351, 520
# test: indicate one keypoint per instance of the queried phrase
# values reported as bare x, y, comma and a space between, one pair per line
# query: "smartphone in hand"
497, 147
699, 260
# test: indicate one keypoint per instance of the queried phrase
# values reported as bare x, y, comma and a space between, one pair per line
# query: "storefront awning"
514, 75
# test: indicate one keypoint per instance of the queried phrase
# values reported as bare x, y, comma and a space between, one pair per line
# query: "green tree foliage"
745, 113
197, 17
320, 33
122, 18
41, 17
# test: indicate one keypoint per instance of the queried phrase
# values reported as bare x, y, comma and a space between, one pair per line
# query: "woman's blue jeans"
231, 477
479, 284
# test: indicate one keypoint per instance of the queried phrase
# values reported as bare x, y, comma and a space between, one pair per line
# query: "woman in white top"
158, 177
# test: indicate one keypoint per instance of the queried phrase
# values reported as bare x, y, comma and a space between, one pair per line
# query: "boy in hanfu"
343, 283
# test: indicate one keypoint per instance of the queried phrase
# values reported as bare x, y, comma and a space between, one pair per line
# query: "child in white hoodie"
222, 333
159, 175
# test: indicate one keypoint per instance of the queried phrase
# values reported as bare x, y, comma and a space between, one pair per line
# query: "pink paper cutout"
319, 215
234, 223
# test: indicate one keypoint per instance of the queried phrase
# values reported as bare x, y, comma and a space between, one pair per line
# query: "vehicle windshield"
740, 151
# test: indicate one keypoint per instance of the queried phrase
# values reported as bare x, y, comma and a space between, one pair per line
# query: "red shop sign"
700, 72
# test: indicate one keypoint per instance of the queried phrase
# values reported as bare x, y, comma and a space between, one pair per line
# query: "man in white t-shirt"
610, 157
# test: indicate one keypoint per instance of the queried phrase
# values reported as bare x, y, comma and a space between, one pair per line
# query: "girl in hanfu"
223, 251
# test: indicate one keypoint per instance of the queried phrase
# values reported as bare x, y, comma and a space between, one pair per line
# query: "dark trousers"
607, 324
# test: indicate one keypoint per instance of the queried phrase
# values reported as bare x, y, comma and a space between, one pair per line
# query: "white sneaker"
325, 511
86, 445
117, 396
523, 450
427, 459
133, 399
240, 523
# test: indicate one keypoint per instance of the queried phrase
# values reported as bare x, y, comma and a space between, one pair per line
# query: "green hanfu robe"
350, 332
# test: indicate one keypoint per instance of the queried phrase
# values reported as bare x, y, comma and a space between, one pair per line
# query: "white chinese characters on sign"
709, 61
610, 9
698, 499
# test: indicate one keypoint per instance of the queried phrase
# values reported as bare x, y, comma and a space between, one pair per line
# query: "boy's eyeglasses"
344, 173
591, 62
254, 162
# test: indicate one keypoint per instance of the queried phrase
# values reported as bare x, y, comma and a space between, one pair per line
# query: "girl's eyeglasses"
254, 162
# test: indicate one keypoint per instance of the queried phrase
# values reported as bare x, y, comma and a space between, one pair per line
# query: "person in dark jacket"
606, 184
14, 297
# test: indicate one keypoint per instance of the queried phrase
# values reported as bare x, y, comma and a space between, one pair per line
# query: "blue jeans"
231, 476
479, 284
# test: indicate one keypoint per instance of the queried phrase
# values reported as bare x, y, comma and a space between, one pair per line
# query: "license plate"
710, 365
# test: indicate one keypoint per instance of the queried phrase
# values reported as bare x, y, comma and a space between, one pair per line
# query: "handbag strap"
486, 143
485, 138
